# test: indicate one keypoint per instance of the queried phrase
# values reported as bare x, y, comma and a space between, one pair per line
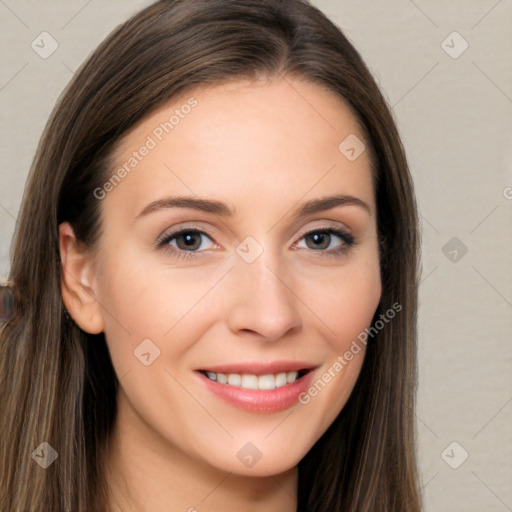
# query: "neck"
147, 472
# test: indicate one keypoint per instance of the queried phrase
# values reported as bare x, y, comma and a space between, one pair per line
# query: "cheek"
346, 302
354, 308
346, 317
139, 302
345, 308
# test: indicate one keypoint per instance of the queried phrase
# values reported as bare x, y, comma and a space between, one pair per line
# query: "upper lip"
259, 367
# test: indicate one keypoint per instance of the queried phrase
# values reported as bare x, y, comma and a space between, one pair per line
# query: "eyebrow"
220, 208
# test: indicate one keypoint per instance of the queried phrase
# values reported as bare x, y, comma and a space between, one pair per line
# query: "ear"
78, 282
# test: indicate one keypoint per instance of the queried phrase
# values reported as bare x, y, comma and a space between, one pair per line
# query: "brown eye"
321, 239
189, 240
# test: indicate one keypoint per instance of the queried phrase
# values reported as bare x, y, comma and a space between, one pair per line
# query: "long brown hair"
57, 383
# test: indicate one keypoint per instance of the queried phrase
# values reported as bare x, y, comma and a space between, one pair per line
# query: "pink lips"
255, 400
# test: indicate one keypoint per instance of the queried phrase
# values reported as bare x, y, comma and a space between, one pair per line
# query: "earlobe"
78, 282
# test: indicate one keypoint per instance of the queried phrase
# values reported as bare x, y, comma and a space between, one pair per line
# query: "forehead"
278, 140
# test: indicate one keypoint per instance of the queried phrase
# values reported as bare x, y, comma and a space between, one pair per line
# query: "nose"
262, 299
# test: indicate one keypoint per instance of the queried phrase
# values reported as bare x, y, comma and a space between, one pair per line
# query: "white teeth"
234, 379
248, 381
267, 382
291, 376
281, 380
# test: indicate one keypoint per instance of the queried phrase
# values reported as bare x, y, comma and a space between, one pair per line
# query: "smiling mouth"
256, 382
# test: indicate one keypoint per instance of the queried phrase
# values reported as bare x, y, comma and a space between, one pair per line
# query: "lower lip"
262, 401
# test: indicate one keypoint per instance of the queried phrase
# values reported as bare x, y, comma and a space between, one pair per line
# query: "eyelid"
347, 241
173, 232
338, 229
326, 225
194, 226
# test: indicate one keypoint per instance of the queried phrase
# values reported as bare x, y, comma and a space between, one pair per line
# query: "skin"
264, 149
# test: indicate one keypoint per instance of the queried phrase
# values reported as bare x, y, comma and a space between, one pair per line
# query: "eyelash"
347, 238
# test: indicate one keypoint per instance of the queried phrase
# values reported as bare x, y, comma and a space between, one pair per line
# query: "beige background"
455, 117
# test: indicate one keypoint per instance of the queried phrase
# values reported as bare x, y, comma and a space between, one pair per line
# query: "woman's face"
265, 280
